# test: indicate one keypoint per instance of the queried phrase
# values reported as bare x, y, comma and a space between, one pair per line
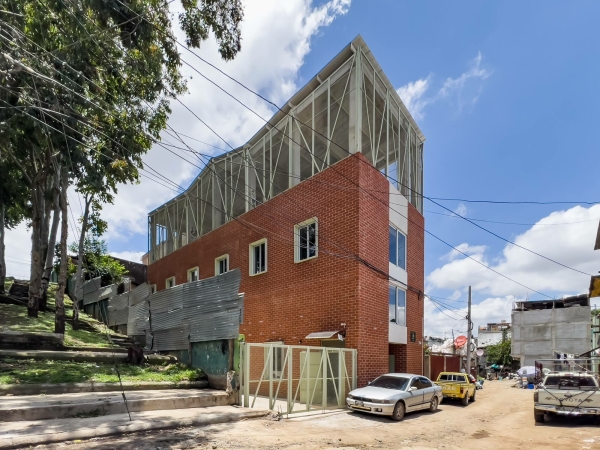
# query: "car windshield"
387, 382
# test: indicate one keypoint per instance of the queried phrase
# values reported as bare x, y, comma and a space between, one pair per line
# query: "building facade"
322, 212
546, 328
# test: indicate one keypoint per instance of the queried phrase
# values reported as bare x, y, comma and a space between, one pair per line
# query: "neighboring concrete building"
309, 209
492, 334
541, 329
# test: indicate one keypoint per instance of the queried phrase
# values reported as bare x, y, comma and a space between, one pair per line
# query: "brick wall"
291, 299
415, 269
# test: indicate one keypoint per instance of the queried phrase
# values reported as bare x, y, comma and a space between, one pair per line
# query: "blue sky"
506, 94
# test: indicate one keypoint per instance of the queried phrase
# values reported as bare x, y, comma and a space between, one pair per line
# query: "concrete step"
92, 386
78, 356
32, 433
84, 405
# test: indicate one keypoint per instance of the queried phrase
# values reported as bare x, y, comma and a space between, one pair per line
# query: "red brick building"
322, 212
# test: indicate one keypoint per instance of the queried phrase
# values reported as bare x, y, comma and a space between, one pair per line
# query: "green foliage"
13, 371
596, 312
499, 353
98, 263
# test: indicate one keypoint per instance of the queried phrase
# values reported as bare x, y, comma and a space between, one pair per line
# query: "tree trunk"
35, 280
47, 270
2, 259
47, 208
78, 275
59, 318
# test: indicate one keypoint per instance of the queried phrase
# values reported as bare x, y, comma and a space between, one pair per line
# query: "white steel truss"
349, 107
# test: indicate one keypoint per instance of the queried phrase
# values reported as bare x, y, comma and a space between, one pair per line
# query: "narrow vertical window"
392, 303
153, 289
306, 240
258, 257
401, 308
393, 246
397, 248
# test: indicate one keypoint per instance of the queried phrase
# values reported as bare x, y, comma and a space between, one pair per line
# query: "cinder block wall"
291, 299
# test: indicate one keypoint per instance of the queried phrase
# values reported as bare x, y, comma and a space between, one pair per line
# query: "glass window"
397, 248
393, 246
392, 303
425, 382
193, 275
397, 305
401, 308
390, 382
258, 257
170, 282
222, 265
153, 289
306, 240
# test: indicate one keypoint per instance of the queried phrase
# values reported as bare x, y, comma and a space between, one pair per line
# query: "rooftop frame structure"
349, 106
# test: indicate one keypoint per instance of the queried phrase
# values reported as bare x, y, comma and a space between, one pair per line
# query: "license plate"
357, 403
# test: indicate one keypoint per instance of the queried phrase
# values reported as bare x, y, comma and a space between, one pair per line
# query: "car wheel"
399, 411
465, 399
539, 418
473, 398
434, 404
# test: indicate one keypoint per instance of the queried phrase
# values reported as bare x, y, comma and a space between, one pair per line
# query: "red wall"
291, 299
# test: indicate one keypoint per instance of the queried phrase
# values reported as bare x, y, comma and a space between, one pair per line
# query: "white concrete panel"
397, 334
399, 203
543, 316
574, 346
397, 273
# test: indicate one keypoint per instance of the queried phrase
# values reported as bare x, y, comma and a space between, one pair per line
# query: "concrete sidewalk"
17, 434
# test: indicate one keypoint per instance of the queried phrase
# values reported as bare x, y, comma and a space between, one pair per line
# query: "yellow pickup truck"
457, 385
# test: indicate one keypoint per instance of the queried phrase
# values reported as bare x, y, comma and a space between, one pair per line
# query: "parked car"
395, 394
457, 386
567, 393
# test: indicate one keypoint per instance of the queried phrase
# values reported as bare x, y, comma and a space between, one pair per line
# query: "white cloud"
461, 209
493, 309
129, 256
570, 244
411, 95
465, 90
475, 251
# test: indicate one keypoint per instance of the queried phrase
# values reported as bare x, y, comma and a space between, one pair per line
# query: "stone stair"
94, 404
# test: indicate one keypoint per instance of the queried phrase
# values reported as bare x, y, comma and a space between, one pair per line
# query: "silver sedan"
395, 394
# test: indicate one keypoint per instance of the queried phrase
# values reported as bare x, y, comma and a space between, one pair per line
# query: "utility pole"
469, 327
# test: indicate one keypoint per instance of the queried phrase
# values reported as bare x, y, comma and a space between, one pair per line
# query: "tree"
97, 261
59, 316
87, 85
499, 353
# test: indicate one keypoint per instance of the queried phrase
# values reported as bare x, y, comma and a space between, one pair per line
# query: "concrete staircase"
94, 404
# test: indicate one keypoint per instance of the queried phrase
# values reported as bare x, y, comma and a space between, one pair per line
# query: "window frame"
251, 256
396, 289
153, 289
399, 232
297, 227
218, 264
167, 283
193, 269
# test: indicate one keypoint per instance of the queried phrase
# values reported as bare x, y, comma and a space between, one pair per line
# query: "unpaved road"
502, 417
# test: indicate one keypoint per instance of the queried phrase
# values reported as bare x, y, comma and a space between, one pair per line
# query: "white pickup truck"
567, 393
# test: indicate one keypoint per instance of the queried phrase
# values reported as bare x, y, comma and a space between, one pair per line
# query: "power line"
454, 215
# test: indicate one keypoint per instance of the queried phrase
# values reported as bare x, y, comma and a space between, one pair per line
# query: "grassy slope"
13, 371
14, 318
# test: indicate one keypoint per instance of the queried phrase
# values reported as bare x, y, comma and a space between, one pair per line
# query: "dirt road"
502, 417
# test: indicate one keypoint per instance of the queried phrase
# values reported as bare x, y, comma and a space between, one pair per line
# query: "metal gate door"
295, 378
